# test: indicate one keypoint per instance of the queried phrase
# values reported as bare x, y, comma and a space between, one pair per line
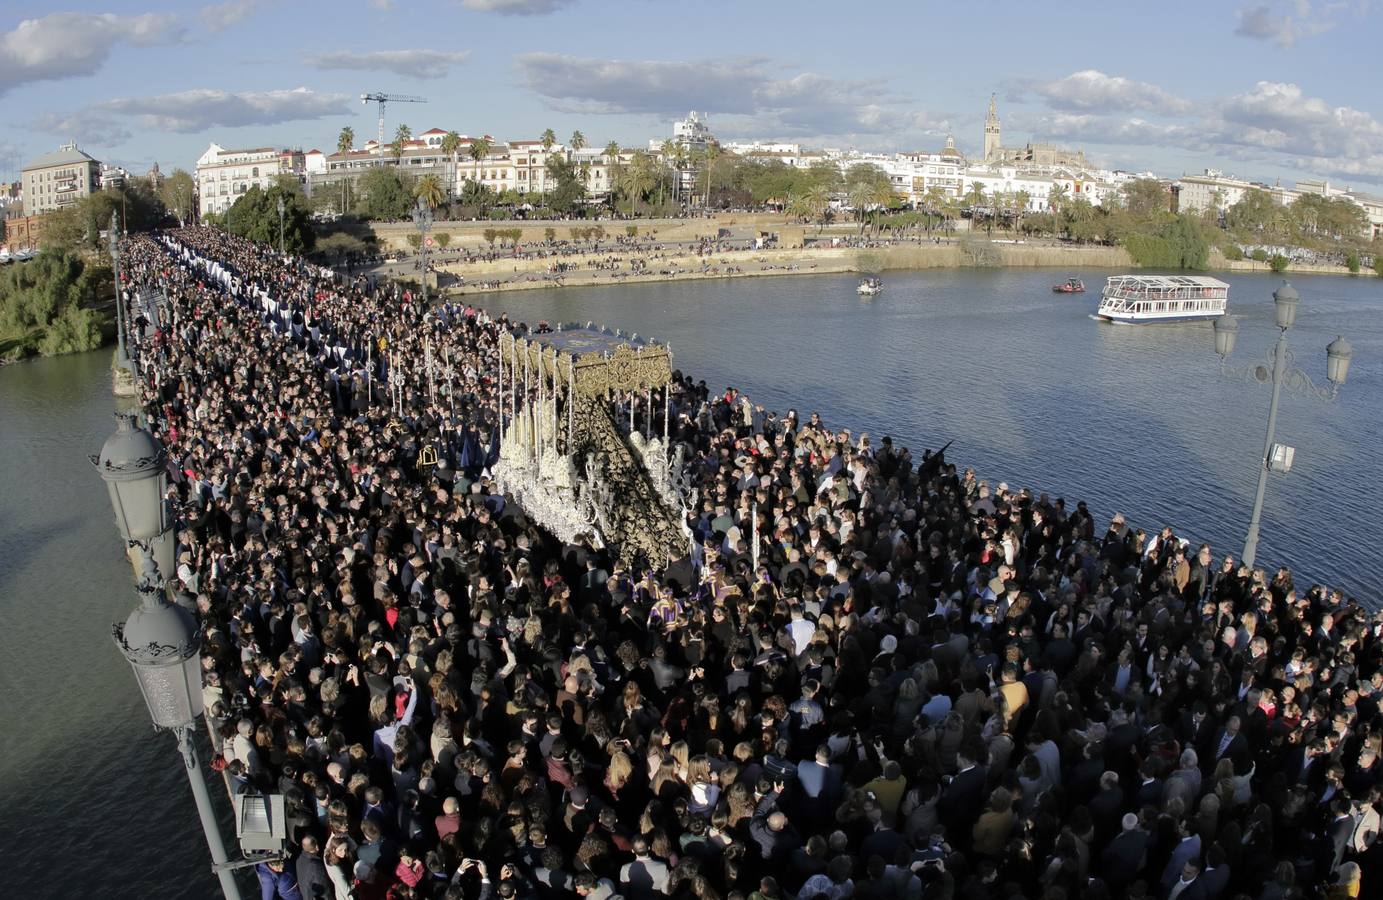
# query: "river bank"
586, 270
528, 274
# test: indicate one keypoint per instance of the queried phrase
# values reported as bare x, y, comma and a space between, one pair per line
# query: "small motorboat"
869, 287
1070, 286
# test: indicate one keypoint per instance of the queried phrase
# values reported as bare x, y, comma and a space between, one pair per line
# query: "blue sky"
1264, 88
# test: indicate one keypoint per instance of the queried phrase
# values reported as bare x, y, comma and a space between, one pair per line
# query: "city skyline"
1265, 90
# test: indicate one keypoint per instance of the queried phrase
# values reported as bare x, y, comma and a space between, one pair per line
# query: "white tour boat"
1139, 299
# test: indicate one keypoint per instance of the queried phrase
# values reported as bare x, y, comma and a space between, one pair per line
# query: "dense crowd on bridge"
925, 688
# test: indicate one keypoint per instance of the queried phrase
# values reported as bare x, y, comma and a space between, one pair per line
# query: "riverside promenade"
872, 675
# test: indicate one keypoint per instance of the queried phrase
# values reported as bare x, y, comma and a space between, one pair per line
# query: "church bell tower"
991, 133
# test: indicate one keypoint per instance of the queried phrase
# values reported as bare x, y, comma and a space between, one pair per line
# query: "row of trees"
1310, 220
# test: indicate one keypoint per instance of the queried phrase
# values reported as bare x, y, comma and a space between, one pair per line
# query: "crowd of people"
913, 687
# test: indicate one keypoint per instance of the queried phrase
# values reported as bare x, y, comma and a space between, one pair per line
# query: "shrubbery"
46, 306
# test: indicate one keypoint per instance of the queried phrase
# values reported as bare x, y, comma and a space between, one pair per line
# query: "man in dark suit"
962, 800
1126, 855
1213, 879
1228, 743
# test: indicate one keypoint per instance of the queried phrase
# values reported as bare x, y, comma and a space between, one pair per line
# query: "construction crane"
382, 99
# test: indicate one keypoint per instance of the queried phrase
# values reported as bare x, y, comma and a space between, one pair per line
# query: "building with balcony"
224, 175
56, 180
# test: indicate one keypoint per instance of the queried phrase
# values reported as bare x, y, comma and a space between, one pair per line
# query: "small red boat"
1071, 286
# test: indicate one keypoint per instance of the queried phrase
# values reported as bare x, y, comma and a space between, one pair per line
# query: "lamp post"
122, 357
132, 464
422, 217
280, 205
1278, 457
162, 644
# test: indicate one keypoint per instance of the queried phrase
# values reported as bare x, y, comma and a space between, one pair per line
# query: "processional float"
566, 456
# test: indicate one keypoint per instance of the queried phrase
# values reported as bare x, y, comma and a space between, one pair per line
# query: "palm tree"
817, 201
638, 178
402, 136
479, 149
344, 143
1056, 197
578, 141
429, 189
860, 196
712, 151
549, 138
882, 196
934, 200
1020, 203
451, 142
975, 197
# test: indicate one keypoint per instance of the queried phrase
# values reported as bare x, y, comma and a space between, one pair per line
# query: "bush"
1278, 262
550, 234
1352, 263
631, 230
1378, 263
45, 305
1234, 253
415, 241
1260, 255
490, 234
443, 239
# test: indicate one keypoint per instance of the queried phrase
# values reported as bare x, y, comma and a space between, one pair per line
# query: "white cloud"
1284, 22
72, 44
382, 5
220, 16
516, 7
408, 63
1272, 123
747, 95
1093, 90
194, 111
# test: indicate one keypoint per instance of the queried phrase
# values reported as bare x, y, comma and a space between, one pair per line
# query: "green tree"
578, 141
178, 192
1255, 214
443, 238
451, 142
1352, 262
568, 193
974, 196
1378, 263
1145, 198
549, 139
387, 192
429, 189
345, 142
1021, 200
1278, 263
47, 305
1057, 197
255, 216
402, 135
637, 179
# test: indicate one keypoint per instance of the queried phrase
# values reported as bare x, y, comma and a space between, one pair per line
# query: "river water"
1131, 419
1032, 391
93, 803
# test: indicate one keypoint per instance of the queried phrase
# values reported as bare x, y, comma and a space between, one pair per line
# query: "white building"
223, 175
1211, 189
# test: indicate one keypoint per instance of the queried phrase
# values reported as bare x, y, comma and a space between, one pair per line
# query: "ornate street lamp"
132, 463
162, 644
122, 357
422, 217
1278, 457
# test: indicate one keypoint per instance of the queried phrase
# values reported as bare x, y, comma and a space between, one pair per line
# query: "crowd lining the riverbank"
927, 688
